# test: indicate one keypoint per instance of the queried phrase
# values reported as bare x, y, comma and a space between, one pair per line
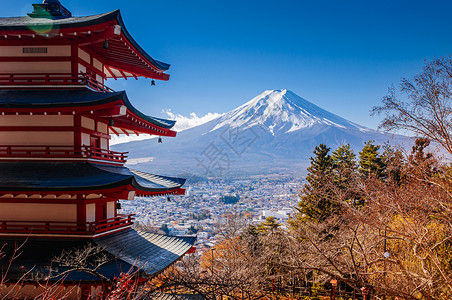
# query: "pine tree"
321, 165
344, 157
344, 164
270, 224
316, 194
344, 169
370, 162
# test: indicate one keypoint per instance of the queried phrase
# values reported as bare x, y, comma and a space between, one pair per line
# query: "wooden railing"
61, 79
110, 224
62, 152
68, 228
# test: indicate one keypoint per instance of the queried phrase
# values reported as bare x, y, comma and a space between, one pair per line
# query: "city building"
60, 184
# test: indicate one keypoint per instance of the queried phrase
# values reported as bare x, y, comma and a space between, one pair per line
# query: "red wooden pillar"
81, 212
77, 131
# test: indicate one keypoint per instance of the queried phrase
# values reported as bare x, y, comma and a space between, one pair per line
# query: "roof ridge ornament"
50, 9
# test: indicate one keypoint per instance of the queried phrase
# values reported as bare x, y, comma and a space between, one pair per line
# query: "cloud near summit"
182, 123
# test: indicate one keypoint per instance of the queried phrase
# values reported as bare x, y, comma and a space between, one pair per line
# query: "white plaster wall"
110, 209
85, 139
45, 138
88, 123
84, 55
91, 212
81, 68
104, 144
102, 127
99, 78
17, 51
38, 212
36, 120
36, 67
98, 65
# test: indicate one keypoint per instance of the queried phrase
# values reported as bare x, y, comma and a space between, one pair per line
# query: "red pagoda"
60, 184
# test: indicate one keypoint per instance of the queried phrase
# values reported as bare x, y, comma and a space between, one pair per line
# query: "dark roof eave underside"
84, 97
78, 176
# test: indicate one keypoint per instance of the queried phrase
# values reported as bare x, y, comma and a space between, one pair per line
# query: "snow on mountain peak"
281, 111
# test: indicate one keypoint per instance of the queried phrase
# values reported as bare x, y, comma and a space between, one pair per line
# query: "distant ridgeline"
230, 199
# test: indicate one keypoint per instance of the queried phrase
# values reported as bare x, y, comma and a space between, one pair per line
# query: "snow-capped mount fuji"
274, 132
281, 111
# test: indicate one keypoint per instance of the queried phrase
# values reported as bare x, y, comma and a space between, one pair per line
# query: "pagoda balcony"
62, 152
43, 228
59, 80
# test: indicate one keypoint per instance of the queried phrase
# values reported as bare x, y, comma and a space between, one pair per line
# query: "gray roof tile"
149, 251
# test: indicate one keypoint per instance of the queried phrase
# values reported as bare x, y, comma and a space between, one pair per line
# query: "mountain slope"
274, 132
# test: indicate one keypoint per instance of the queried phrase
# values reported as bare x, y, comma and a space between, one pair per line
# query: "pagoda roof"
85, 99
148, 253
40, 176
124, 54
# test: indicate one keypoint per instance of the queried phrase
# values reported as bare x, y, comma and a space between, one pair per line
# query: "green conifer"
370, 161
316, 196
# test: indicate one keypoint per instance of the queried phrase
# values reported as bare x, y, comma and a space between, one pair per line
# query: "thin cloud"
182, 123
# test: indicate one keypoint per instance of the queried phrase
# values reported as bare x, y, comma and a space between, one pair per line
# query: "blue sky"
341, 55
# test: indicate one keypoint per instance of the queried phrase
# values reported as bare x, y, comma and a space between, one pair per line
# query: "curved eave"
64, 177
128, 60
163, 123
80, 100
142, 180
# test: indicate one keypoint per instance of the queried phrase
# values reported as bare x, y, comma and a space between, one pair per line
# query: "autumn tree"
422, 105
393, 161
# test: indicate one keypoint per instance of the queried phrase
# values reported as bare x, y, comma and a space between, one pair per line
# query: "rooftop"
45, 176
103, 34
